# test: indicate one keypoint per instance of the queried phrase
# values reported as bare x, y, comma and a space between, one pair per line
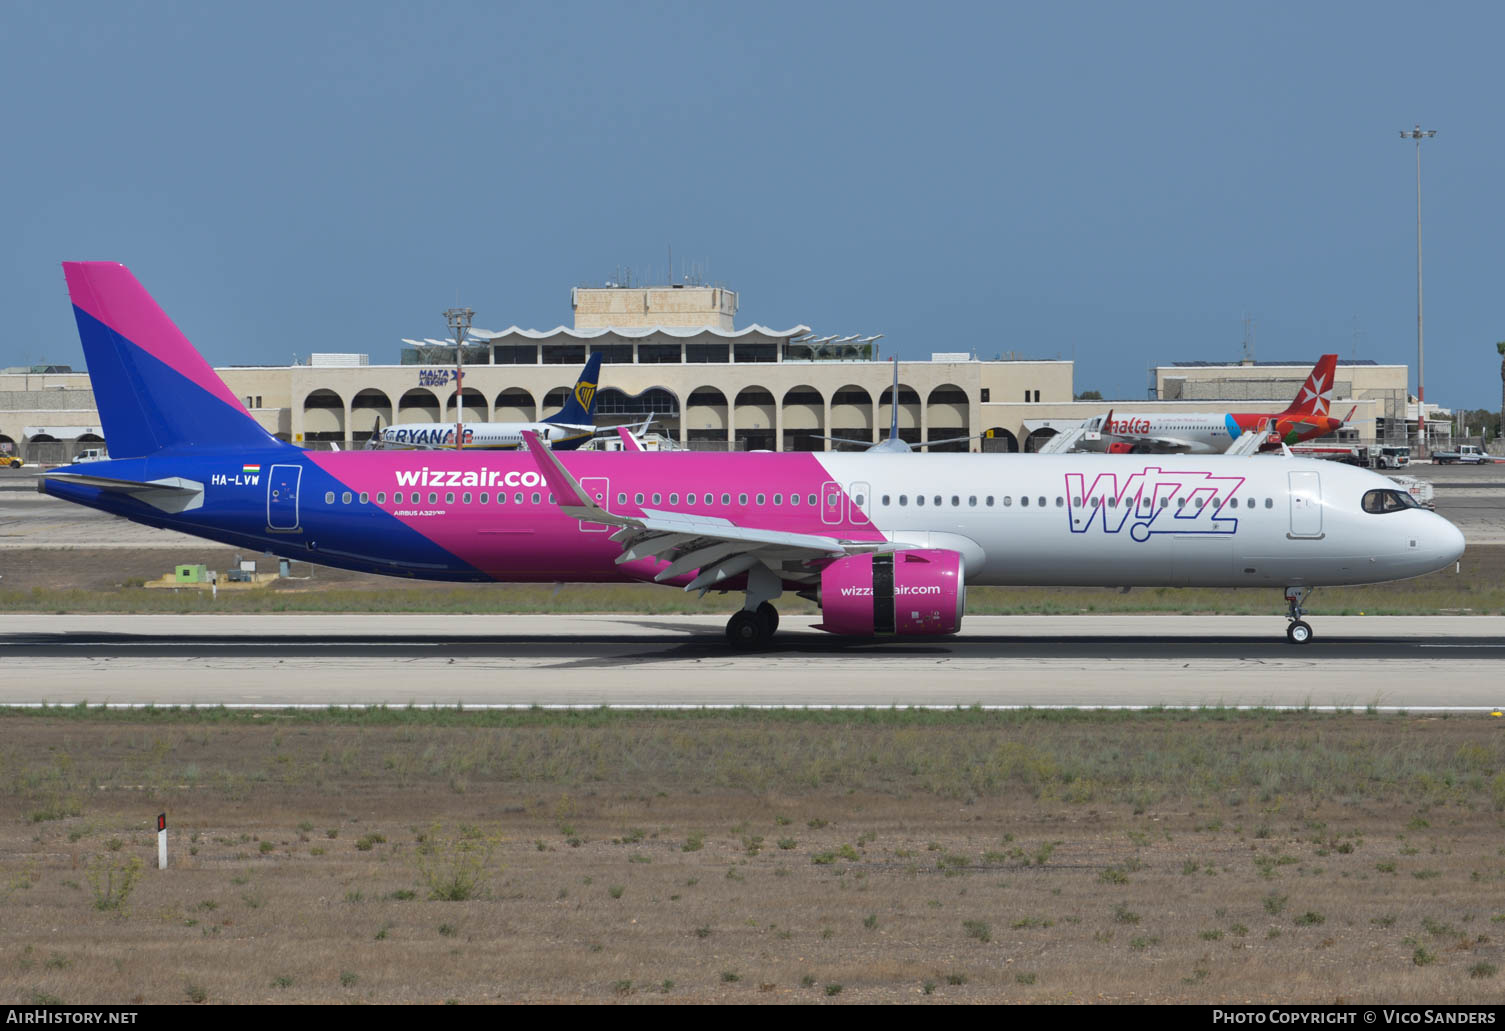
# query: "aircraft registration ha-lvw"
885, 544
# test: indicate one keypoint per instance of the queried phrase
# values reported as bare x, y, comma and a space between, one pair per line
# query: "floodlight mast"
459, 324
1418, 134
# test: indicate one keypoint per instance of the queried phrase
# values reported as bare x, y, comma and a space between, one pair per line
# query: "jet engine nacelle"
902, 592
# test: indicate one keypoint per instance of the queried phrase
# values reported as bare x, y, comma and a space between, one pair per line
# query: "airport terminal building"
675, 352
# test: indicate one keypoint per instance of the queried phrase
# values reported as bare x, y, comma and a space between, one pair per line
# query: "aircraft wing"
718, 548
841, 440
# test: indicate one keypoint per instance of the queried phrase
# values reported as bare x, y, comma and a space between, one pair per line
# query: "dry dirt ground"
967, 857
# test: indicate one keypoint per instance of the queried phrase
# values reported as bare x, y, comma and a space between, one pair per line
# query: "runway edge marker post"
161, 841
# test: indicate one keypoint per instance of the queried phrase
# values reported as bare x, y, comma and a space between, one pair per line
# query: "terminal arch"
418, 405
852, 416
706, 419
515, 405
804, 418
999, 440
1037, 438
755, 418
909, 412
948, 415
323, 416
369, 408
476, 409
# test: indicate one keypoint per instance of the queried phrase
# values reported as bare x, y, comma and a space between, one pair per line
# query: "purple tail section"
153, 389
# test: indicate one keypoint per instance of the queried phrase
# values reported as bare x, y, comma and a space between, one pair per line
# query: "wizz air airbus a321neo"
885, 544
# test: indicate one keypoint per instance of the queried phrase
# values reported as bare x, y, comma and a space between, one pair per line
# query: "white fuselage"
1191, 433
1158, 520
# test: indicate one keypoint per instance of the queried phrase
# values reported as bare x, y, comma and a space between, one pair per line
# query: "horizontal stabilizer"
171, 494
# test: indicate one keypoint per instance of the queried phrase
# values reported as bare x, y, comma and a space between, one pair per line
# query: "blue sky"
1116, 183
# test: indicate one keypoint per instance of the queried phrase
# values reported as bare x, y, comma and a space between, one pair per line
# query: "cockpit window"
1380, 501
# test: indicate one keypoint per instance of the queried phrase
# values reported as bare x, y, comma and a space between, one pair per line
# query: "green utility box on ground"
190, 574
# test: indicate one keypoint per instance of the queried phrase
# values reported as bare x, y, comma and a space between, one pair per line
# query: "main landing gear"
754, 625
1299, 631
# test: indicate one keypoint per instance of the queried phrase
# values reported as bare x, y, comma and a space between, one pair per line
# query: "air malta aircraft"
566, 430
1212, 433
885, 544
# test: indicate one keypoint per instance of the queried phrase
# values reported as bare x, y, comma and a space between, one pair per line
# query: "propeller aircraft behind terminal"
885, 545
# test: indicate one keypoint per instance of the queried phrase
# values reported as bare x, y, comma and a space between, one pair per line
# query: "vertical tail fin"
153, 390
1316, 395
893, 422
580, 407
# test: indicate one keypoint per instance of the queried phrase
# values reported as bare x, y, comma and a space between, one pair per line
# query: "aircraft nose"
1447, 542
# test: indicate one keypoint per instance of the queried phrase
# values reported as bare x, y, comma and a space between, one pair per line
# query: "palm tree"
1501, 348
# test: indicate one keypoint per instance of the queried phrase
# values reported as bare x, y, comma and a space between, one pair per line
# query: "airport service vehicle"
1420, 490
93, 454
1467, 454
566, 430
1372, 456
1211, 433
885, 544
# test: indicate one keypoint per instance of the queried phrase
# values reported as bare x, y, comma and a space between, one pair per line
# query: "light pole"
1418, 134
459, 324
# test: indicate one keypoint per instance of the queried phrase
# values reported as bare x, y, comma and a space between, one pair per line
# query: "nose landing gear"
1299, 631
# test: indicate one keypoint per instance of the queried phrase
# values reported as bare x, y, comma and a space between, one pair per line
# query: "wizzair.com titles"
899, 590
483, 477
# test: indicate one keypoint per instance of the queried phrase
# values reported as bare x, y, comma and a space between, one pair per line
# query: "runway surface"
314, 660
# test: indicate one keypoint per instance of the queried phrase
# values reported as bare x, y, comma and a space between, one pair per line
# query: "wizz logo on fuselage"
1153, 501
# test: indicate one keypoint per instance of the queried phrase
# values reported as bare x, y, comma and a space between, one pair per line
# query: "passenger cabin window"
329, 497
365, 498
381, 497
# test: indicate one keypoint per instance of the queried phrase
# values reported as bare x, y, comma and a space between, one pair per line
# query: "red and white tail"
1316, 395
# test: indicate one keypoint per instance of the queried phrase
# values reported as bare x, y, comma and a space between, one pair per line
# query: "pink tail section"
1316, 395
